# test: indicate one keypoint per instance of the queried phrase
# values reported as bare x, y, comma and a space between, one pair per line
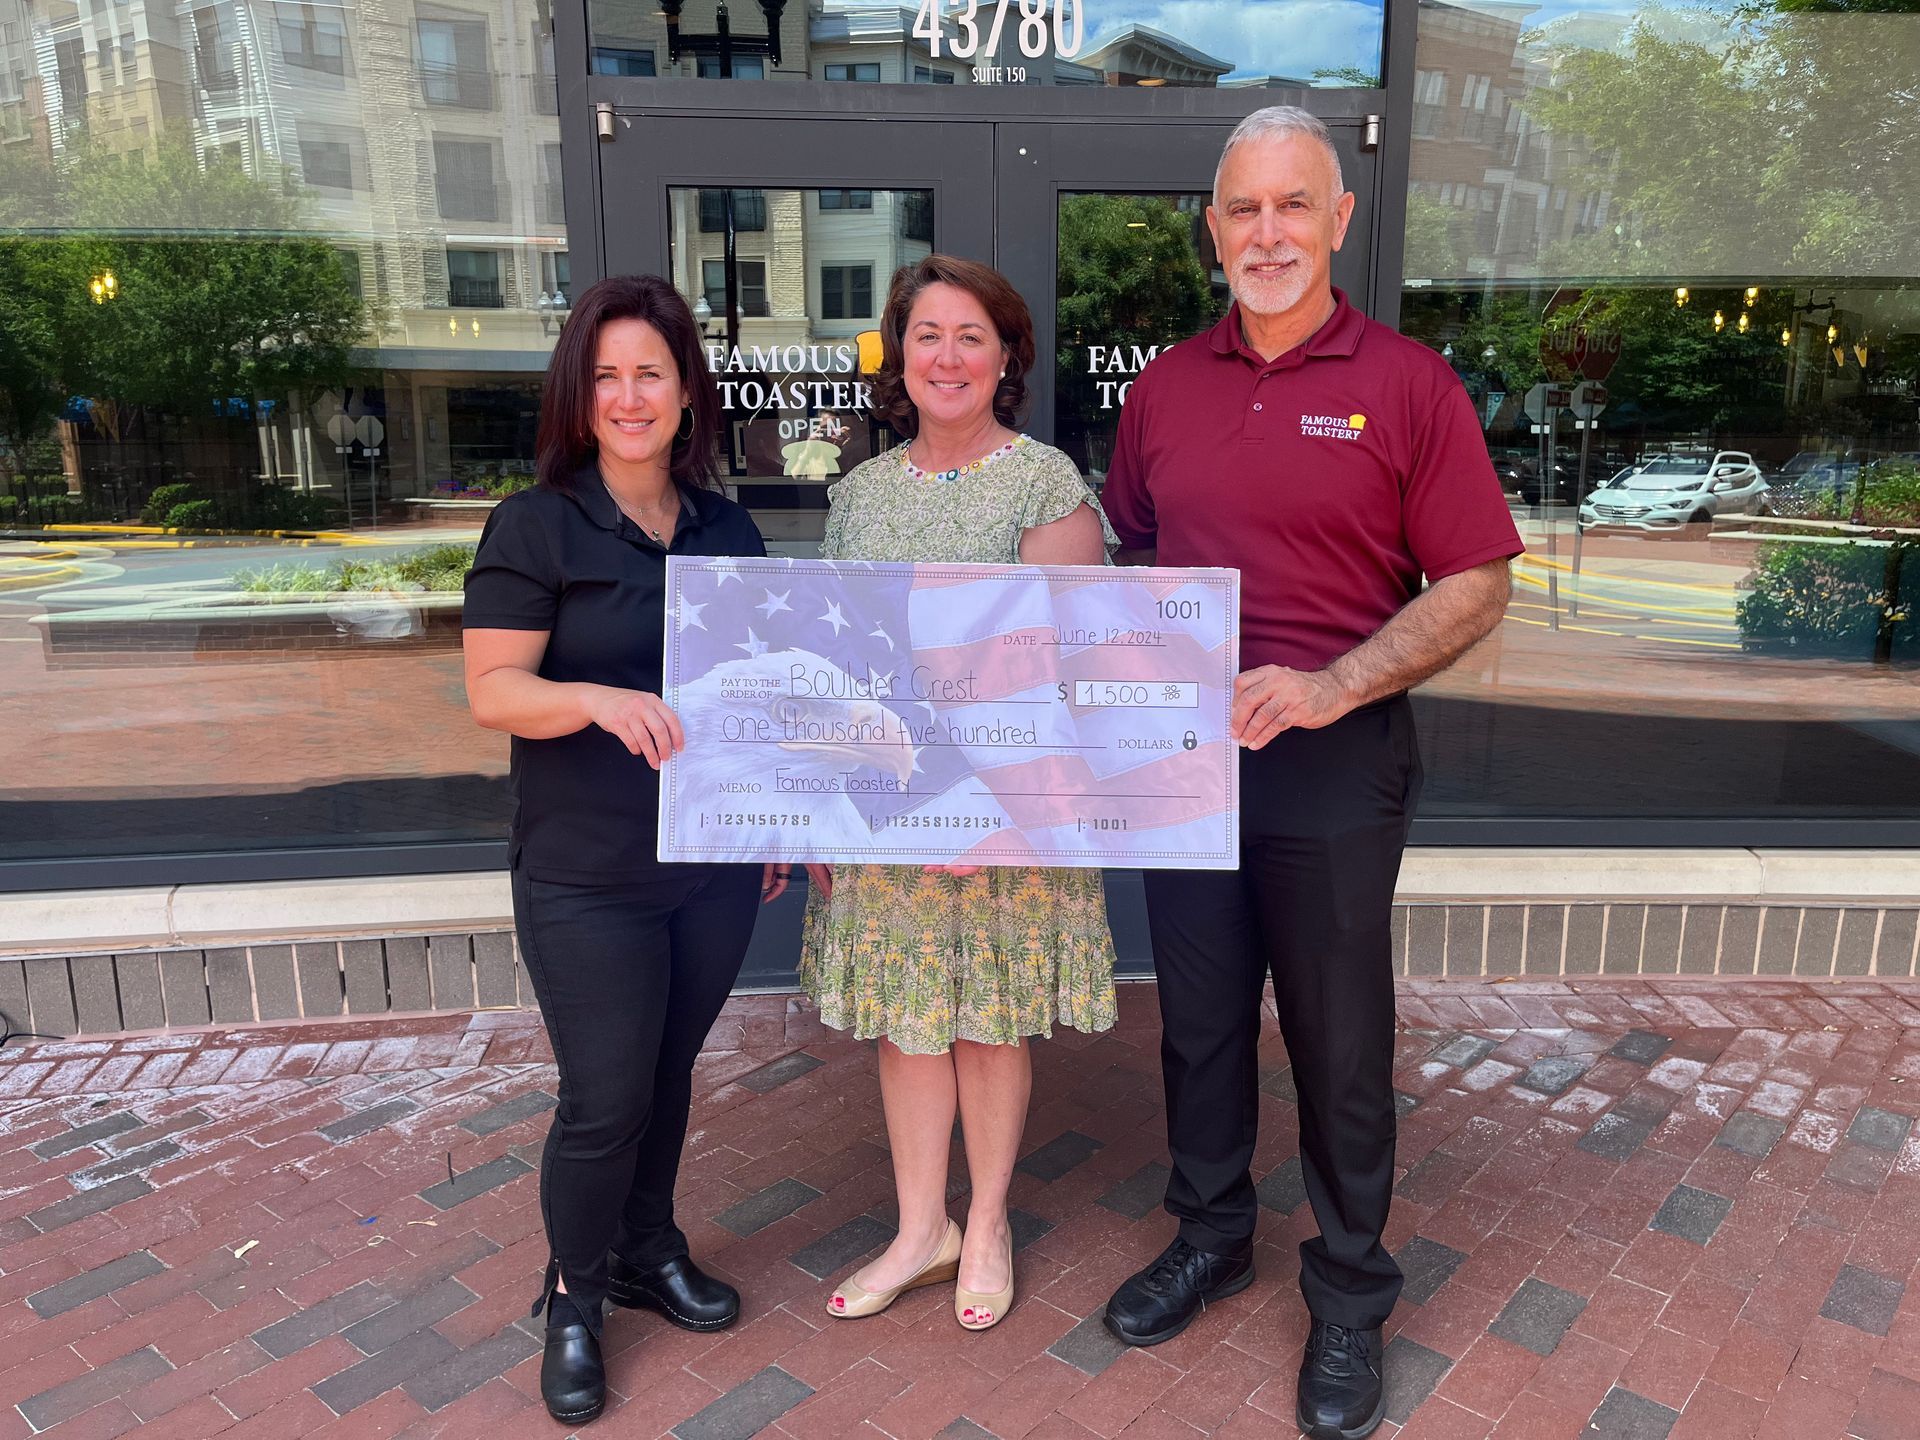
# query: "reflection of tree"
1349, 75
1129, 274
1772, 147
220, 294
1785, 144
1430, 248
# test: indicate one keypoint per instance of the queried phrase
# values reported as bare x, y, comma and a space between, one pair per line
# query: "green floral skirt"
926, 959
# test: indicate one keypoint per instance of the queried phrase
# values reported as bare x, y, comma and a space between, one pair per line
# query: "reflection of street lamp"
104, 287
722, 42
552, 310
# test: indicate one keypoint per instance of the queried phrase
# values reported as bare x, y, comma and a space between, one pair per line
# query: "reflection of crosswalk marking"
1587, 572
1690, 624
1683, 640
1580, 594
1590, 614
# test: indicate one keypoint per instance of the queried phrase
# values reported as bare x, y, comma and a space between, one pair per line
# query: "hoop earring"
686, 413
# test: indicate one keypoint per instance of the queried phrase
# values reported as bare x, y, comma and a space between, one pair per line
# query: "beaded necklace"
947, 477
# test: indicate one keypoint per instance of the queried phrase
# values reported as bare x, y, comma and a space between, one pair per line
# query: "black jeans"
630, 978
1323, 824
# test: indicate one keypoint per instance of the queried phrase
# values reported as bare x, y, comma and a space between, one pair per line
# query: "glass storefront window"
1136, 273
787, 286
1707, 216
1152, 44
278, 283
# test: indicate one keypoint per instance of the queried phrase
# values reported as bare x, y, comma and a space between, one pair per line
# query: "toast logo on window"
1333, 427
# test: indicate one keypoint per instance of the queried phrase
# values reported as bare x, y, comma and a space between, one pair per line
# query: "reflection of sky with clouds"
1260, 37
1707, 16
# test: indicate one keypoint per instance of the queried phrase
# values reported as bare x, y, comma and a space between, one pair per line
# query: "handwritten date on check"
891, 714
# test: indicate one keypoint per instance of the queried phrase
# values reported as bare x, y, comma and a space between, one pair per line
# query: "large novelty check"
867, 713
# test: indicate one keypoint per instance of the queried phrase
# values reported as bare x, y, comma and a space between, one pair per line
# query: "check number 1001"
1136, 694
1061, 21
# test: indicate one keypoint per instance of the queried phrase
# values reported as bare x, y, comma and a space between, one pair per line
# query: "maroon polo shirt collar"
1339, 335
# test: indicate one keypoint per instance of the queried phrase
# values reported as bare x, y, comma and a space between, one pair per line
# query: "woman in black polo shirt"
631, 959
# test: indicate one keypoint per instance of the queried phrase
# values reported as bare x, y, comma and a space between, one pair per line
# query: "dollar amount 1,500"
1061, 22
1137, 694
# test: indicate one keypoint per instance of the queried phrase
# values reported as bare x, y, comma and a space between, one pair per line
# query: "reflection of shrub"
1888, 492
58, 510
164, 497
194, 515
43, 500
274, 507
32, 487
1831, 599
439, 568
261, 507
504, 485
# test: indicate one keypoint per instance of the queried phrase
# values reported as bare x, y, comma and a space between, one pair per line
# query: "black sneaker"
1341, 1396
1161, 1301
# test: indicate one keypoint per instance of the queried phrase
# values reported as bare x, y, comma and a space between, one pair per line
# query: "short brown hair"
566, 441
1005, 309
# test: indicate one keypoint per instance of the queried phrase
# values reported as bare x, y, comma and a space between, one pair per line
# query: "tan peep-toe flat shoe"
977, 1311
853, 1300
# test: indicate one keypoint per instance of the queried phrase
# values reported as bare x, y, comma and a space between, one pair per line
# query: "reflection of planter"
466, 510
186, 626
1819, 595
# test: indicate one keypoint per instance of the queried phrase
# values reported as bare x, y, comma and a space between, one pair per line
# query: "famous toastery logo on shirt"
1333, 427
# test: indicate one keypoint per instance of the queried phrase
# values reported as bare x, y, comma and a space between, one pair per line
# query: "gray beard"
1271, 297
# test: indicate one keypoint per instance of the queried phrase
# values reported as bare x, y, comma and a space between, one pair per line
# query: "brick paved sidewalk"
1628, 1209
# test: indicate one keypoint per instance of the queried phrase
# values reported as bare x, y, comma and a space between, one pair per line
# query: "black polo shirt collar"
1339, 335
589, 491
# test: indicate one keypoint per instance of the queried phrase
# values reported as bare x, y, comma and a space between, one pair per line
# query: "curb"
53, 576
328, 536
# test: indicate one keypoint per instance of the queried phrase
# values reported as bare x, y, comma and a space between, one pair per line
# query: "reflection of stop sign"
340, 428
1576, 349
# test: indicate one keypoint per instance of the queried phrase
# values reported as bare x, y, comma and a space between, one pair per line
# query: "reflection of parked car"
1676, 492
1807, 481
1558, 487
1820, 485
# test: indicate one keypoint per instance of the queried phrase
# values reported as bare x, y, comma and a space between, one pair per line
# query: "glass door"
1103, 227
783, 233
783, 237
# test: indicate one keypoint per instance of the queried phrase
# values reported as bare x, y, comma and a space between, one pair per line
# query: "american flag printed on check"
858, 712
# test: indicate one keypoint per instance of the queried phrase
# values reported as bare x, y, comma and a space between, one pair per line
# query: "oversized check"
852, 712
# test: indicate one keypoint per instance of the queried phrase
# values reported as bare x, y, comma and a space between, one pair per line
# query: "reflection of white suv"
1675, 493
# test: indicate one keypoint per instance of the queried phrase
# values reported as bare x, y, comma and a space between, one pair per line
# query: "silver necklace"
659, 538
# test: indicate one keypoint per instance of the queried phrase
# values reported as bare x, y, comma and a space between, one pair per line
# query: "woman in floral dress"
952, 968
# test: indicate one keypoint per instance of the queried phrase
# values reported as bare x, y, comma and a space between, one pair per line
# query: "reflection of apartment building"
1140, 55
1511, 189
109, 70
810, 271
423, 139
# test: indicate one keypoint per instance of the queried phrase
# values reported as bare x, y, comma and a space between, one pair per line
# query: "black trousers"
630, 977
1323, 824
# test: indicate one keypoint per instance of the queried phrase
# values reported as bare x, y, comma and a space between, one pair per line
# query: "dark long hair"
566, 408
1004, 308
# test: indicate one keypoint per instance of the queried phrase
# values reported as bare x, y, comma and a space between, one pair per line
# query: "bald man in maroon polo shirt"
1335, 464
